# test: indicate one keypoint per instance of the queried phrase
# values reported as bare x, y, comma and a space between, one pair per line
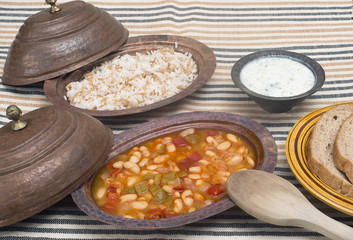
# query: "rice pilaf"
132, 81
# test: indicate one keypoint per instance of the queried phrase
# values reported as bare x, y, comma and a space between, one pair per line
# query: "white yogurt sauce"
277, 77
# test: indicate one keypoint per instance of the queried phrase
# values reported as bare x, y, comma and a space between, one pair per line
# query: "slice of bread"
343, 148
320, 149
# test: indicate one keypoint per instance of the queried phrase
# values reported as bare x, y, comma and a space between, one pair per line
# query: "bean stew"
172, 175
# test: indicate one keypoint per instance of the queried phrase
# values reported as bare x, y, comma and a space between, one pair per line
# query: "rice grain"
132, 81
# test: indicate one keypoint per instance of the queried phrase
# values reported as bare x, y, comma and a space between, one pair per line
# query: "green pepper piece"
175, 182
182, 174
149, 144
141, 188
161, 149
157, 179
159, 195
168, 177
147, 176
123, 157
193, 139
154, 188
129, 190
168, 203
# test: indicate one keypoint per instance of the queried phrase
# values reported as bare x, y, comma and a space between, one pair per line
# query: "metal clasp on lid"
53, 8
14, 113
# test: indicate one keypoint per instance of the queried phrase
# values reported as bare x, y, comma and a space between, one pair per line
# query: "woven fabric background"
321, 29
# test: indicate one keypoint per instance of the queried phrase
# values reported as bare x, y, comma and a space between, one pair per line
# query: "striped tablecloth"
321, 29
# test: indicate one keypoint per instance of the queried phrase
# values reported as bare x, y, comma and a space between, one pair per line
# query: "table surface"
321, 29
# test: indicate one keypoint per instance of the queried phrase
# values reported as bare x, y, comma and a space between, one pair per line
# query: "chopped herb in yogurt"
277, 77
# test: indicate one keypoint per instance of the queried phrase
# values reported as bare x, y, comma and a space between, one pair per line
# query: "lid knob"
14, 113
53, 8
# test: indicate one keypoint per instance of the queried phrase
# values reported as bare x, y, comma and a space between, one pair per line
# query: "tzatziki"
277, 77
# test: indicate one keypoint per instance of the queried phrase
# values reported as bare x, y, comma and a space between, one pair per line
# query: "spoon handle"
327, 226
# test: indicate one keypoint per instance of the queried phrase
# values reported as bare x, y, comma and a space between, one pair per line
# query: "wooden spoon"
273, 199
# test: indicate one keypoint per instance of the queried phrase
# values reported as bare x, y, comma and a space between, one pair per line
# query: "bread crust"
320, 149
343, 148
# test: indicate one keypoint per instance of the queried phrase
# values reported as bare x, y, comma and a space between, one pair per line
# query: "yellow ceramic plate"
296, 146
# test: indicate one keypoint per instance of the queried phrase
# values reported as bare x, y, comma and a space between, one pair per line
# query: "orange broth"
172, 175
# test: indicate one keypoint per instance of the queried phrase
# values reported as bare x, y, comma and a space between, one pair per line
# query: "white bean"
134, 159
159, 146
171, 147
232, 137
118, 164
143, 148
210, 153
101, 192
192, 209
204, 186
153, 167
144, 151
130, 181
205, 175
241, 150
211, 140
161, 159
235, 160
250, 161
224, 146
105, 175
223, 174
224, 180
196, 169
133, 167
167, 188
198, 197
187, 180
173, 166
167, 140
199, 182
204, 162
148, 196
243, 168
139, 205
178, 205
188, 201
194, 176
144, 172
128, 198
187, 132
208, 202
143, 162
137, 154
186, 193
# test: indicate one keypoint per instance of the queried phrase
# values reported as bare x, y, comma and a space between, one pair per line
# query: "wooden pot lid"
52, 43
55, 152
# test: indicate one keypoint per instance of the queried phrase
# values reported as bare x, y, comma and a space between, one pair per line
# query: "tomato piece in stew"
172, 175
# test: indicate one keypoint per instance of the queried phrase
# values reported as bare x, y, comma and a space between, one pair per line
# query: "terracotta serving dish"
58, 47
51, 44
53, 155
203, 56
255, 133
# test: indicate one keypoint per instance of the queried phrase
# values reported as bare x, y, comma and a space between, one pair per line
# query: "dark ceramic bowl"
278, 104
256, 134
